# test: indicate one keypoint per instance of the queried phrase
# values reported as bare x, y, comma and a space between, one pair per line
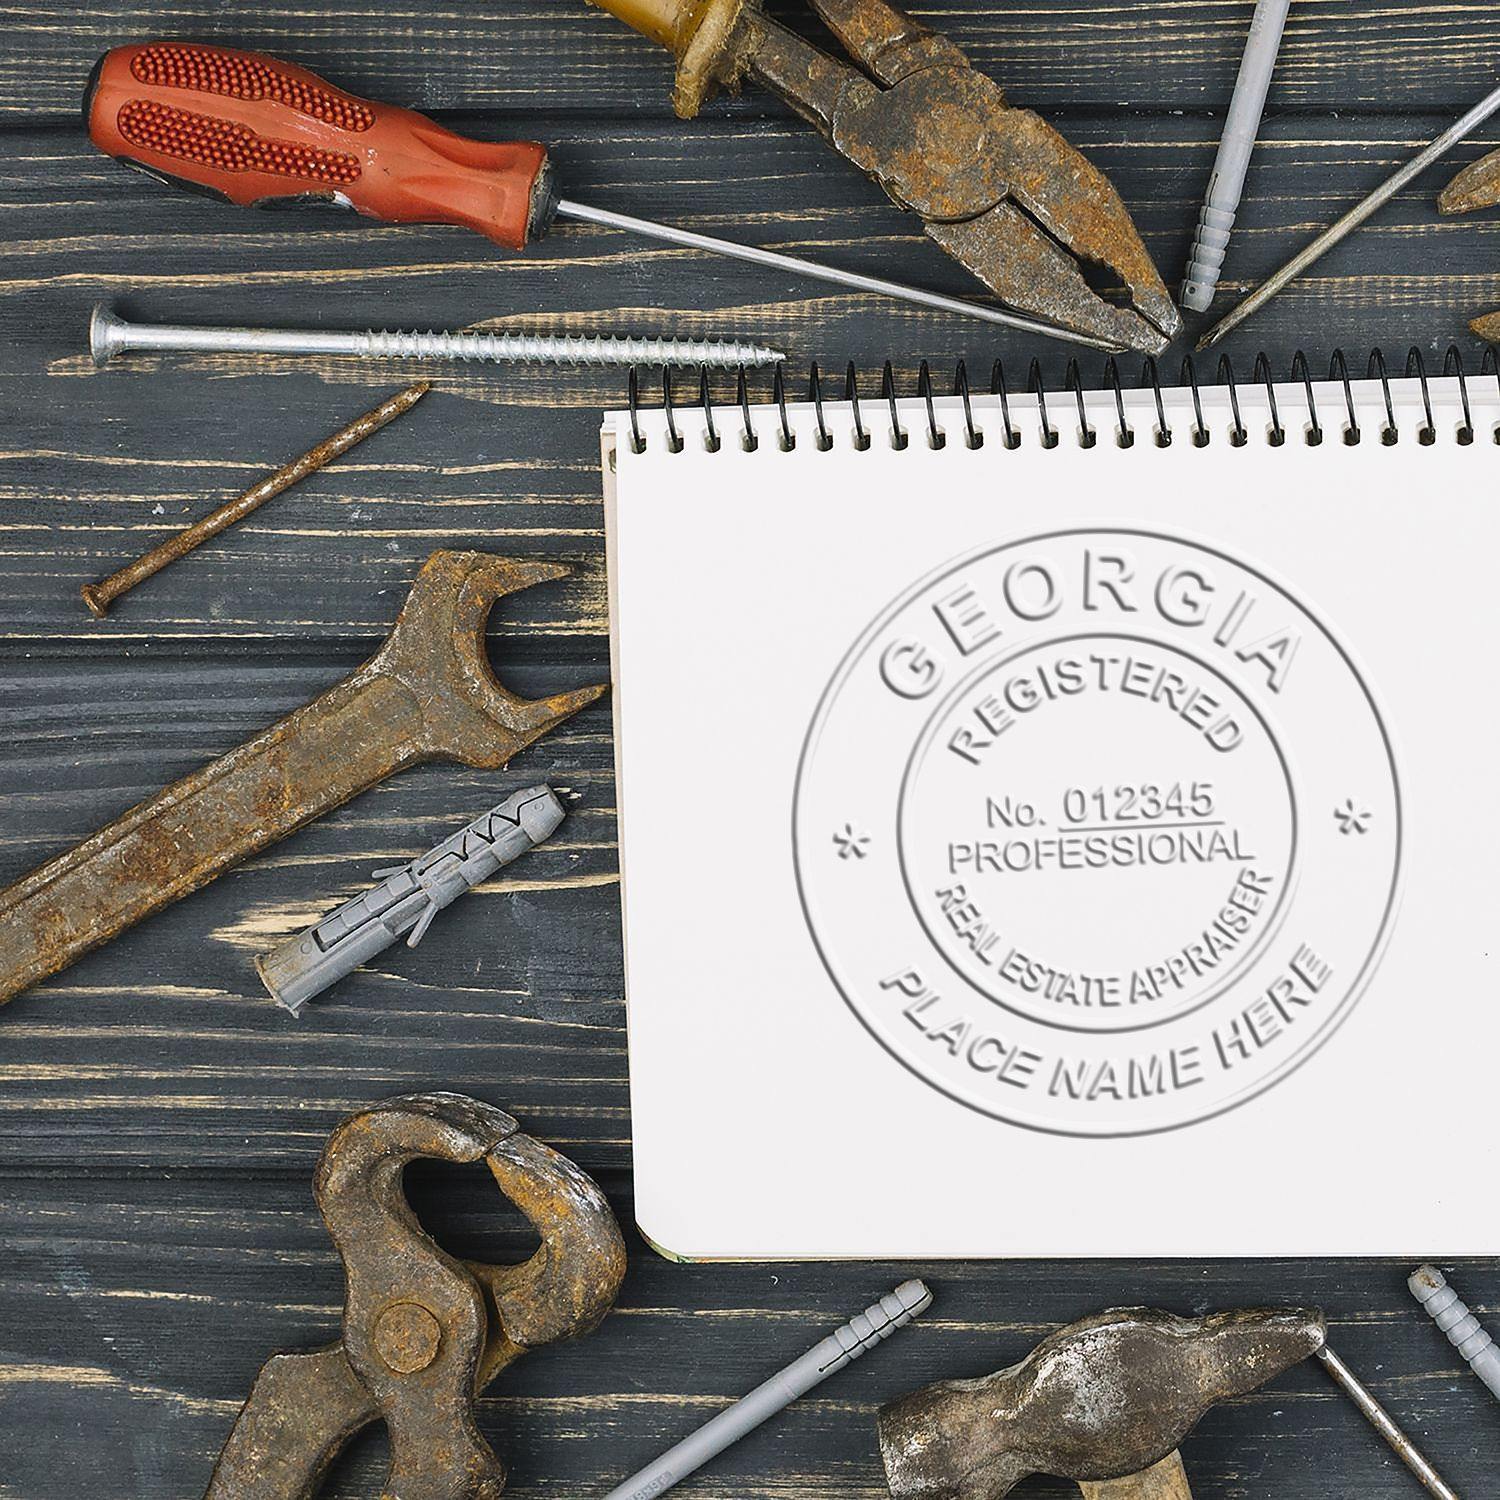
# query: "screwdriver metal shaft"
567, 209
1356, 216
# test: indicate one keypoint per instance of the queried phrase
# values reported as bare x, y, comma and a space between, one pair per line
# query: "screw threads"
111, 335
1461, 1328
583, 349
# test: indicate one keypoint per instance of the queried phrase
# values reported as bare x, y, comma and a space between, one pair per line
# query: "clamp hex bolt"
1430, 1287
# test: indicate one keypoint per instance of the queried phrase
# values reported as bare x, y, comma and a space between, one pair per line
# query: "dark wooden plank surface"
159, 1118
565, 58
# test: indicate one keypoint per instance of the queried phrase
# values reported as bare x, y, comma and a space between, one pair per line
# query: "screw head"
106, 333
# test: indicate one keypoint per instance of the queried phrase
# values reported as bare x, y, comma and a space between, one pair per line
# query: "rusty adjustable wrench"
423, 1333
428, 694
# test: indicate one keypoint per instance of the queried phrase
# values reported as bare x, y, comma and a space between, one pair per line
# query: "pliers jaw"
998, 188
1476, 187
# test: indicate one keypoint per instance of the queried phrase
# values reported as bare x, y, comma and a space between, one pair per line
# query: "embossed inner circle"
1098, 832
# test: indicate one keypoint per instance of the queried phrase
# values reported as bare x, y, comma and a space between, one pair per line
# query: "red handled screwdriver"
257, 131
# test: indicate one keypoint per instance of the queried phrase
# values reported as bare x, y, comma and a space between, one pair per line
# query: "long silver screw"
1430, 1287
1385, 1424
110, 334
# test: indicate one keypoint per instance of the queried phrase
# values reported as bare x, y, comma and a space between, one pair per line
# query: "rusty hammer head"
1106, 1398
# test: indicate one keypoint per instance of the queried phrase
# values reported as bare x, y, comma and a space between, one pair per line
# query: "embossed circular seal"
1099, 832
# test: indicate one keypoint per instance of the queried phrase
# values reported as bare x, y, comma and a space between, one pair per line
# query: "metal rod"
99, 596
1354, 218
1383, 1423
110, 335
795, 264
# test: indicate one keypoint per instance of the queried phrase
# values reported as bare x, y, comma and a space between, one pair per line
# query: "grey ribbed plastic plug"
1206, 258
1444, 1306
861, 1333
1227, 180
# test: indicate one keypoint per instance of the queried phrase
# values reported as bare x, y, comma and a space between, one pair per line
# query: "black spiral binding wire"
1087, 435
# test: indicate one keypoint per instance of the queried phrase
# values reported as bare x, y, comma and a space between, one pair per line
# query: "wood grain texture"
149, 1309
159, 1116
563, 57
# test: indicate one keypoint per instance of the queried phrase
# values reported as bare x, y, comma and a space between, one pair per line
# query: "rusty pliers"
998, 188
423, 1333
1476, 187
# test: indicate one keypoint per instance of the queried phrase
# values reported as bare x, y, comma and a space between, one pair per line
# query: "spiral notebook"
1062, 824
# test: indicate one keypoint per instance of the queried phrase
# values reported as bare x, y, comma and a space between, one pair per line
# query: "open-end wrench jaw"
437, 649
428, 693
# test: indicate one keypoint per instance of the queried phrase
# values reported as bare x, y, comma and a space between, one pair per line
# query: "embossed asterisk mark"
1352, 818
851, 843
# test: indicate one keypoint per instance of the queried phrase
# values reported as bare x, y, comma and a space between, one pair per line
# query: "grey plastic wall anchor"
407, 899
1226, 182
844, 1345
1210, 244
1430, 1288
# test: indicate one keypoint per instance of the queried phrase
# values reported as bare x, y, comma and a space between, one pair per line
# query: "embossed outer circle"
1098, 832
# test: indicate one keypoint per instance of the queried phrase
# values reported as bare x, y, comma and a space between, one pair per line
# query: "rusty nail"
99, 596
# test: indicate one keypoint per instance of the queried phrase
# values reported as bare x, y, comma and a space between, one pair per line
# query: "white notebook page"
1061, 851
